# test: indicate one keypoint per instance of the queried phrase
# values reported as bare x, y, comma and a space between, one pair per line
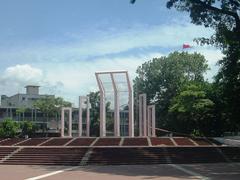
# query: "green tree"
27, 128
9, 128
192, 110
223, 17
94, 99
162, 78
50, 107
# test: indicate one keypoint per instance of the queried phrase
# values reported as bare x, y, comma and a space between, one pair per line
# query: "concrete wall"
21, 100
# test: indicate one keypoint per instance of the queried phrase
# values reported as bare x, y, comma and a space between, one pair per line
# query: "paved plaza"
164, 171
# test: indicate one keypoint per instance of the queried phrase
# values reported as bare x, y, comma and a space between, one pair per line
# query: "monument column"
69, 120
116, 108
131, 107
143, 115
80, 117
88, 118
102, 108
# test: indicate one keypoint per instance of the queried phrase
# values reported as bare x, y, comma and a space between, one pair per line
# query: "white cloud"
15, 78
135, 37
23, 73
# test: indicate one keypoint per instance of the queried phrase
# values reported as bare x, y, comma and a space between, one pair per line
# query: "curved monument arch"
116, 91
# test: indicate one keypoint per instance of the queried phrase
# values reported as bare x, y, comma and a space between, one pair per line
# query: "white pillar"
152, 120
149, 121
143, 115
83, 99
102, 116
80, 116
88, 118
116, 108
131, 108
63, 119
62, 122
102, 108
70, 122
140, 116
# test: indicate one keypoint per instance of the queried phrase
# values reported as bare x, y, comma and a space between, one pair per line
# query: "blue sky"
59, 44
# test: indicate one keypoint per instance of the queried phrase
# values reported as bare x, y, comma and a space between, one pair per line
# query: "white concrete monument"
151, 120
146, 117
69, 109
142, 115
84, 104
115, 86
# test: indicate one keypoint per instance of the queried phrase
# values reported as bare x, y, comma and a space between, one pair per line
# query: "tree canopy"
9, 128
51, 105
162, 79
27, 127
221, 15
192, 110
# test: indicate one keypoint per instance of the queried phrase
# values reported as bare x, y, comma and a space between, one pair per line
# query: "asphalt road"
219, 171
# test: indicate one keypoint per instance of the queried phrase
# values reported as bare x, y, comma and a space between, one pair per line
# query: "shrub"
27, 127
9, 128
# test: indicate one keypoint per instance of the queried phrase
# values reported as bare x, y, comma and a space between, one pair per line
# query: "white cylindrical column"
80, 117
116, 108
88, 118
153, 121
102, 116
70, 123
143, 115
131, 108
62, 122
102, 107
69, 120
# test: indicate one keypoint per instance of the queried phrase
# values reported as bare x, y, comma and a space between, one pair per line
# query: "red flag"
185, 46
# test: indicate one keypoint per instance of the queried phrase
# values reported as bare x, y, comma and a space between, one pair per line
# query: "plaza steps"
135, 142
161, 141
163, 155
5, 151
115, 151
183, 141
82, 142
56, 142
32, 142
11, 141
203, 141
47, 156
108, 142
118, 155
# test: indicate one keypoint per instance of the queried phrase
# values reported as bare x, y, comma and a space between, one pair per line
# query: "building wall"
21, 100
32, 90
